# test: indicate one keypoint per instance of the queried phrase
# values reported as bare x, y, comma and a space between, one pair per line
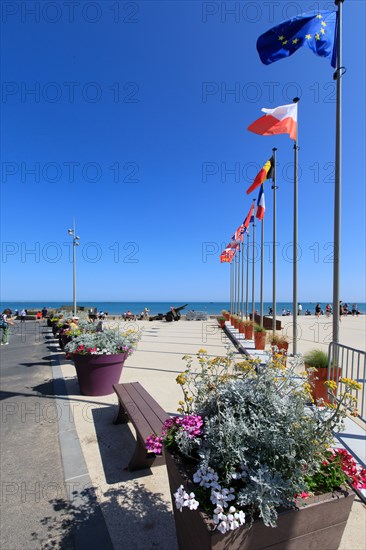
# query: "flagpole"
231, 286
247, 288
274, 244
242, 278
235, 260
253, 264
262, 273
238, 282
338, 178
295, 239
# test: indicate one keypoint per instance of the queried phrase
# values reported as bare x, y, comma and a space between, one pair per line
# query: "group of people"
343, 310
143, 316
7, 320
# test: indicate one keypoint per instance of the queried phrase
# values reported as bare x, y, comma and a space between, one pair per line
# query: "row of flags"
317, 32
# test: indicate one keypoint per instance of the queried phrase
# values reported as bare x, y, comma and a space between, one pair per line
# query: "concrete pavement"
127, 510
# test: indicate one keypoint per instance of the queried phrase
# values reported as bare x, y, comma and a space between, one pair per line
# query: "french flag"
261, 208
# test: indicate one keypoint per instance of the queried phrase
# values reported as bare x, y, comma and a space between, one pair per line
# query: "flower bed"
251, 441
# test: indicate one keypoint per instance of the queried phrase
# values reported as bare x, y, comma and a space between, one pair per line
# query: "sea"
211, 308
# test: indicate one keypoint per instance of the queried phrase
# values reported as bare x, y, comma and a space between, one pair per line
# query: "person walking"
23, 314
5, 321
317, 310
299, 309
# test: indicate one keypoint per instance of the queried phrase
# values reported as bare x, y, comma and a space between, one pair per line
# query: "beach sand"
137, 506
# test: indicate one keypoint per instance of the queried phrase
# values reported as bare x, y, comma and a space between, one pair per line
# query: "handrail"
352, 364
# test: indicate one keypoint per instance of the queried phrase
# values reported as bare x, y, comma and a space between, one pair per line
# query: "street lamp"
75, 243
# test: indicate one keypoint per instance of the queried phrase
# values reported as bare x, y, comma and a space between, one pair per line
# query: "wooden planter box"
317, 524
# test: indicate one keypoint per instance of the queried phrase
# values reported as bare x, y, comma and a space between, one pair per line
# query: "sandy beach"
107, 448
318, 331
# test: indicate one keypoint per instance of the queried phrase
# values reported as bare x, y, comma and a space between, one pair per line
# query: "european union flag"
317, 32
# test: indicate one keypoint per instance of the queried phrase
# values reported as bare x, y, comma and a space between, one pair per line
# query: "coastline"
118, 308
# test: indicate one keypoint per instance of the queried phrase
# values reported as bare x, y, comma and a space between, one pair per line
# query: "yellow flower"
351, 383
202, 351
181, 379
331, 405
332, 385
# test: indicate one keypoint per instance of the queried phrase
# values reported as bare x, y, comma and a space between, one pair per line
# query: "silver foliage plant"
261, 436
109, 342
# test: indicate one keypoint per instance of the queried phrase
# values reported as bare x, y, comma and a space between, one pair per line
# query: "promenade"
75, 447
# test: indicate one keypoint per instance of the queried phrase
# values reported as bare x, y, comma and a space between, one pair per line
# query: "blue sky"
132, 116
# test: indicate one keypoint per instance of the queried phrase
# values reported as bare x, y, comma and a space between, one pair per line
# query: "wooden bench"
147, 417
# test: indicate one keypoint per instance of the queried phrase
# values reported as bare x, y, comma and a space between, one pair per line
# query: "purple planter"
97, 373
318, 523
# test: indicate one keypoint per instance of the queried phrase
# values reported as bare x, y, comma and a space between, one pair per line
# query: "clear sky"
132, 116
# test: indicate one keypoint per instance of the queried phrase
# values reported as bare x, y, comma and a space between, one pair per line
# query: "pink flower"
154, 444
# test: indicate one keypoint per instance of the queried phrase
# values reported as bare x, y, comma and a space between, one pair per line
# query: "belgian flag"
266, 173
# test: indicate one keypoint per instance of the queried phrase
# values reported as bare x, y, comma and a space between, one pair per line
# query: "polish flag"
261, 208
281, 120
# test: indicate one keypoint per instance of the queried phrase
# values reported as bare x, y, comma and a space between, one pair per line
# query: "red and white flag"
261, 208
280, 120
249, 217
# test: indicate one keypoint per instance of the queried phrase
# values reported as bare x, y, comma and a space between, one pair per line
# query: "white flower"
222, 527
183, 499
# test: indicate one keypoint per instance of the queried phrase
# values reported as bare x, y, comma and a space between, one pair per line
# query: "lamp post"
75, 243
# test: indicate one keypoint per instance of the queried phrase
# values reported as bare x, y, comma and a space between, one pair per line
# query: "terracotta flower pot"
248, 331
317, 523
221, 323
97, 373
241, 327
317, 379
260, 340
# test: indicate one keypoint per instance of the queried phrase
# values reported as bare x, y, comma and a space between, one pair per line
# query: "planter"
241, 327
248, 331
260, 340
317, 523
282, 350
221, 323
317, 379
63, 339
97, 373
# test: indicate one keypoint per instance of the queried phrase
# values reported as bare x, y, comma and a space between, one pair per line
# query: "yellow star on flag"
295, 41
317, 36
319, 16
284, 42
322, 31
281, 38
324, 24
308, 36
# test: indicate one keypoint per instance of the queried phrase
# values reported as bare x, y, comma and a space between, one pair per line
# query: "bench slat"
143, 410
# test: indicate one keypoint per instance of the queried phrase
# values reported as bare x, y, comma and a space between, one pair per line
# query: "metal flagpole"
242, 278
338, 177
231, 287
238, 283
295, 238
234, 268
262, 273
274, 243
253, 262
247, 288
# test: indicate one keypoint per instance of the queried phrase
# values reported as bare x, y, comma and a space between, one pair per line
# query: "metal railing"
351, 363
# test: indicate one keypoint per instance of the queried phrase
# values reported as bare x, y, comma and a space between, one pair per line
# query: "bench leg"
141, 459
121, 417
